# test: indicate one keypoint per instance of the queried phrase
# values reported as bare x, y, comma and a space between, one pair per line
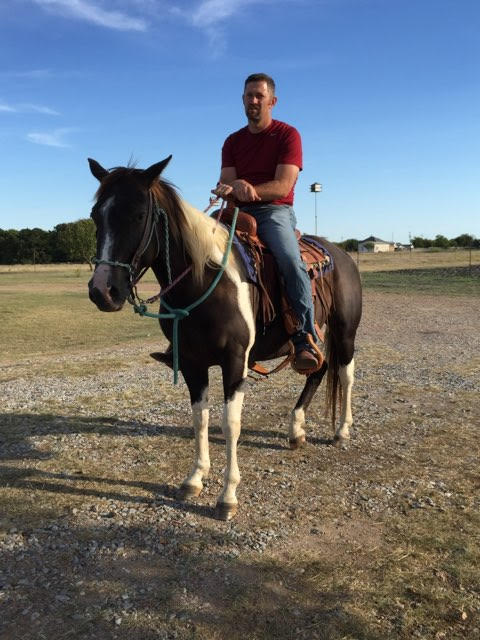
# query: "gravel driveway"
94, 544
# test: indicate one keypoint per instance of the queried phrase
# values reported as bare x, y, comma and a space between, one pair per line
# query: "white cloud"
50, 139
211, 12
27, 108
211, 16
30, 74
39, 109
90, 12
7, 108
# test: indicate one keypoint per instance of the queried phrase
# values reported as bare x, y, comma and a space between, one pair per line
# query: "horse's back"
347, 286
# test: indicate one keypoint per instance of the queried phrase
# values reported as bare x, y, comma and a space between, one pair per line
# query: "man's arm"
279, 187
283, 182
229, 185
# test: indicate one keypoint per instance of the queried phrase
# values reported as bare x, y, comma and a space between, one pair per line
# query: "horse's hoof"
225, 511
296, 443
188, 491
340, 443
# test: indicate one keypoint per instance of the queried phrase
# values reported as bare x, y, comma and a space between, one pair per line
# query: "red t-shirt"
255, 156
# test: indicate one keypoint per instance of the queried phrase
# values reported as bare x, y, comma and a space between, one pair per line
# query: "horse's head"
123, 216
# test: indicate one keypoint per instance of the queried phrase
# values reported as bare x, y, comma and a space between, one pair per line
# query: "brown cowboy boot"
306, 357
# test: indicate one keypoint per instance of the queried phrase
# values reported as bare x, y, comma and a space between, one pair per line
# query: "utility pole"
315, 188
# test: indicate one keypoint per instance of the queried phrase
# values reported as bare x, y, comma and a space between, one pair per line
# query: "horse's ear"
97, 170
152, 173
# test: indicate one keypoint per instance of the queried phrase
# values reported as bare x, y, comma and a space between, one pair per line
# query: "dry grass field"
377, 540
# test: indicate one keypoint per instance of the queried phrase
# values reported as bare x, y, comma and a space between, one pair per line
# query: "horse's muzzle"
105, 292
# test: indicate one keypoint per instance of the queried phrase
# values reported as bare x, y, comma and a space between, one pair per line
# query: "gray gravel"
414, 362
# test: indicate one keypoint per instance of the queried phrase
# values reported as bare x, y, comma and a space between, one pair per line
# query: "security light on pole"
315, 188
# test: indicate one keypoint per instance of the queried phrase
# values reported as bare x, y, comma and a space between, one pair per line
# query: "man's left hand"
244, 191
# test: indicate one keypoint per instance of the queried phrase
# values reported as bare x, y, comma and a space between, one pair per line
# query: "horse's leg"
346, 370
234, 375
296, 432
197, 382
346, 375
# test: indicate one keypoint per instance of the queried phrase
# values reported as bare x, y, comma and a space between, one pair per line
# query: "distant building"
375, 245
403, 247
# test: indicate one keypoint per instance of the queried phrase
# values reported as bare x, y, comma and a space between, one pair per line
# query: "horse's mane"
202, 239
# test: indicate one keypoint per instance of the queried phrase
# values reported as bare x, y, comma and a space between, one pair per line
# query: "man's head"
259, 99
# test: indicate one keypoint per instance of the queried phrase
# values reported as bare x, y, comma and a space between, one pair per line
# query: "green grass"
440, 280
50, 312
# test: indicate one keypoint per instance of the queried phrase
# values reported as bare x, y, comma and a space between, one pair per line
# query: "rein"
179, 314
139, 305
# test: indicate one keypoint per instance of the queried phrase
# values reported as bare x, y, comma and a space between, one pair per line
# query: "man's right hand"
241, 190
222, 190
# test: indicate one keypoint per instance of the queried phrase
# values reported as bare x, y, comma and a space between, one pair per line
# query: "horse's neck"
170, 264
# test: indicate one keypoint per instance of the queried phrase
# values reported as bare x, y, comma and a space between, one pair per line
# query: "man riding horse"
260, 165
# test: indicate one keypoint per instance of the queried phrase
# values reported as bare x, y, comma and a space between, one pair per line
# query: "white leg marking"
232, 412
108, 241
346, 375
201, 466
297, 422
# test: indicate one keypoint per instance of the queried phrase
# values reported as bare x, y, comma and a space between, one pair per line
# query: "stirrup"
316, 352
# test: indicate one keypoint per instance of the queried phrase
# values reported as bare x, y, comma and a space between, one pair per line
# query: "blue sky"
385, 94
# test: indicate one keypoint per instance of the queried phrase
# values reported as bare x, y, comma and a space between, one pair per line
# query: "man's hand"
222, 190
244, 191
239, 189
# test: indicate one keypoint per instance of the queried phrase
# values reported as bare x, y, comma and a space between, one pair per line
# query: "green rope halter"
179, 314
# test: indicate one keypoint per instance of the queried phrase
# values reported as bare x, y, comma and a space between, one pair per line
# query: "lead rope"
212, 202
179, 314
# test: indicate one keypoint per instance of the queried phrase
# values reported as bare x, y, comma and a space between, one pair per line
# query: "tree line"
463, 241
67, 242
75, 242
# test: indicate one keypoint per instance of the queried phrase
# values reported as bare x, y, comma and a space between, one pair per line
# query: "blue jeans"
276, 228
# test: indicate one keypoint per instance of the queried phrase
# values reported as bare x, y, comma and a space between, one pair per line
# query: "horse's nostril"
114, 294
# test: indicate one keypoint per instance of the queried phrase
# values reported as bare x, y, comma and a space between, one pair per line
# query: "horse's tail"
333, 389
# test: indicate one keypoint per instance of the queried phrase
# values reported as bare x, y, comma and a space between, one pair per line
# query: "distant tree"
9, 246
25, 246
35, 246
75, 241
421, 243
464, 240
350, 245
441, 241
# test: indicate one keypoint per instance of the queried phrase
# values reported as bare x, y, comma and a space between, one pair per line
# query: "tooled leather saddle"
262, 270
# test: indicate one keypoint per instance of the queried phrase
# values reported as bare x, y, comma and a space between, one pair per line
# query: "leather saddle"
263, 271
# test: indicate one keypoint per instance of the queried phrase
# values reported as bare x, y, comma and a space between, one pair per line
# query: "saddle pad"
320, 257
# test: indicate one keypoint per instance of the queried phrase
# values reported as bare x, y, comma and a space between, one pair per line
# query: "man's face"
258, 102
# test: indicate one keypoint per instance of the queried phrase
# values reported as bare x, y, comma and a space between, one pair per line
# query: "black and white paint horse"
222, 330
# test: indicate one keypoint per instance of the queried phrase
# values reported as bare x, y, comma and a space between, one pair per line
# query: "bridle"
139, 305
154, 212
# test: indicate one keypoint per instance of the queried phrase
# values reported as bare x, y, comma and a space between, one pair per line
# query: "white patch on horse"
108, 240
201, 465
232, 410
346, 375
297, 422
231, 425
234, 271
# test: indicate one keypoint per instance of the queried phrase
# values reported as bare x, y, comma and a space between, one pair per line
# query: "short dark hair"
261, 77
